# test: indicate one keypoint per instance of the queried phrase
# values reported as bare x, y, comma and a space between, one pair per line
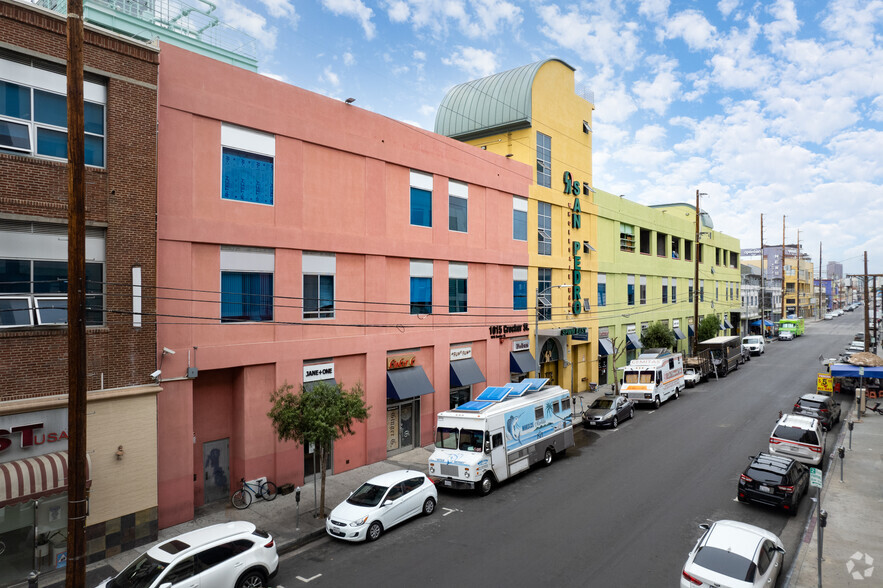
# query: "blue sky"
771, 107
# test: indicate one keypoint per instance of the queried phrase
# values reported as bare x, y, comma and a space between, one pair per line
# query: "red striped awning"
33, 477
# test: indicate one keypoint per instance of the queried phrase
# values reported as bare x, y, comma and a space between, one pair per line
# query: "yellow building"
534, 114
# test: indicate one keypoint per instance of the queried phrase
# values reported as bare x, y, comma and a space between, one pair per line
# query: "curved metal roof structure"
491, 105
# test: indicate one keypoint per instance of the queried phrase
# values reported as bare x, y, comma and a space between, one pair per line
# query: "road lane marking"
307, 580
450, 510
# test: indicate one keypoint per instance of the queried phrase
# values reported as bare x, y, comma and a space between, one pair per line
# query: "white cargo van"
754, 344
654, 377
504, 431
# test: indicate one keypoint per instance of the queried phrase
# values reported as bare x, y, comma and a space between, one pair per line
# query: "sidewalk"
280, 517
852, 541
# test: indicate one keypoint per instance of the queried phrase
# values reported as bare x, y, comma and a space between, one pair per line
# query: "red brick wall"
121, 197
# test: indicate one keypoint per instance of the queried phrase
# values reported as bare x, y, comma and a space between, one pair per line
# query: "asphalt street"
622, 508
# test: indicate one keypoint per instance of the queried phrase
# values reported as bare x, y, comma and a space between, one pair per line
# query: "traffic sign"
815, 477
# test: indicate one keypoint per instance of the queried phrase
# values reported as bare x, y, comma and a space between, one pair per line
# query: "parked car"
608, 411
799, 437
774, 480
819, 406
829, 316
692, 376
234, 554
380, 503
754, 344
786, 336
734, 554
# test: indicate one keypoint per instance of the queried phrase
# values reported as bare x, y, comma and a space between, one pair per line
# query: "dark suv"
819, 407
775, 481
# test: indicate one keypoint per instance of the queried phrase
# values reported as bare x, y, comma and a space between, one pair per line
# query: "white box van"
801, 438
654, 377
754, 344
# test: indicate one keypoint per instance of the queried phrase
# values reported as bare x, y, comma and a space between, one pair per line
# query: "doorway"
402, 426
216, 468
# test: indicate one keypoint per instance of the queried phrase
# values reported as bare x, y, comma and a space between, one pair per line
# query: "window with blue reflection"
318, 296
602, 294
247, 177
421, 295
519, 225
246, 297
421, 208
15, 100
457, 295
519, 295
457, 214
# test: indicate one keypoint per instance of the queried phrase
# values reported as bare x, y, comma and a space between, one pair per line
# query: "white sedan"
380, 503
731, 554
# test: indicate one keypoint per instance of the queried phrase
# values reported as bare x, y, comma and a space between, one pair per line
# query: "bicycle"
243, 497
876, 408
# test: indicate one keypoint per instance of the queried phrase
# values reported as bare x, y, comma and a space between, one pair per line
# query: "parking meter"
297, 495
850, 424
841, 451
823, 518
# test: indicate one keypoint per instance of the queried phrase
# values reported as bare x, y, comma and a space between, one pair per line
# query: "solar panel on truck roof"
535, 383
493, 394
517, 389
474, 406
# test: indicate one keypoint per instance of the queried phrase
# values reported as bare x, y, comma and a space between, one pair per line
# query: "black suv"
775, 481
819, 407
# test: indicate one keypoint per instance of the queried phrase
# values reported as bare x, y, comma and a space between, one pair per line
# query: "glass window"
688, 250
630, 290
247, 177
421, 199
421, 286
626, 238
544, 160
458, 396
457, 207
665, 290
15, 101
457, 287
690, 291
544, 228
246, 296
643, 291
519, 288
544, 299
661, 239
318, 296
675, 248
519, 218
674, 290
602, 289
49, 280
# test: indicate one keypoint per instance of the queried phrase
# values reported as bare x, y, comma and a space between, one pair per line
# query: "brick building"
120, 124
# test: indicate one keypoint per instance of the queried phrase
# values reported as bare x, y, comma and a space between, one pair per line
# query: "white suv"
801, 438
754, 344
230, 555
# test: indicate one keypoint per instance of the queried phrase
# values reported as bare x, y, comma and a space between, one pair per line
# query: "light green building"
646, 274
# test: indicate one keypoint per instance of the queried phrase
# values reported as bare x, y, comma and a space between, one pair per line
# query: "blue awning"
605, 347
407, 383
465, 372
728, 324
690, 330
765, 322
679, 334
845, 370
632, 342
521, 362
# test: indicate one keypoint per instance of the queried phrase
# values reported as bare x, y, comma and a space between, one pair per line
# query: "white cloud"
737, 65
692, 27
477, 63
348, 58
274, 76
658, 93
653, 9
398, 11
248, 21
427, 110
598, 35
355, 9
475, 18
280, 9
419, 55
785, 21
855, 21
726, 7
330, 77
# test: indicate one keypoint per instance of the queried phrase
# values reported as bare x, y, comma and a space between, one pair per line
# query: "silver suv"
230, 555
801, 438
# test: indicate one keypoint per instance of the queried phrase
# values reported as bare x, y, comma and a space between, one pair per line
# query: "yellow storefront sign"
825, 383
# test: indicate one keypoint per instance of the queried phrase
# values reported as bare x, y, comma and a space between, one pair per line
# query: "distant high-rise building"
834, 270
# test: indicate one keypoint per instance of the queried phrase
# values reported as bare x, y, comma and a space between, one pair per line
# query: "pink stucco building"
301, 238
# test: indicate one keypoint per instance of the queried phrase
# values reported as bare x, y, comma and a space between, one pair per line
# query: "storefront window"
460, 396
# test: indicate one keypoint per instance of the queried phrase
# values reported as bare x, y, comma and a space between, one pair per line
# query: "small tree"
320, 415
658, 335
709, 327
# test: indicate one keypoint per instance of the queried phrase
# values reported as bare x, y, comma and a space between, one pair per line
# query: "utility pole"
797, 285
762, 281
75, 574
874, 302
820, 279
867, 314
783, 266
696, 280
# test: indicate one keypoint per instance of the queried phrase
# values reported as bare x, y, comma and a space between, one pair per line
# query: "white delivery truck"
654, 377
504, 431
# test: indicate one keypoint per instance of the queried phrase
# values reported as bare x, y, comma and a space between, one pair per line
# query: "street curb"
305, 539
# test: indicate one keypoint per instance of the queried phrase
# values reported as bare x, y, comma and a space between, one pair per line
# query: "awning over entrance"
465, 372
605, 347
632, 342
33, 477
843, 370
728, 324
679, 334
407, 383
521, 362
310, 385
690, 330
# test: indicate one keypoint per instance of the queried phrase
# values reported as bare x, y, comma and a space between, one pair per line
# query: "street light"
536, 321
